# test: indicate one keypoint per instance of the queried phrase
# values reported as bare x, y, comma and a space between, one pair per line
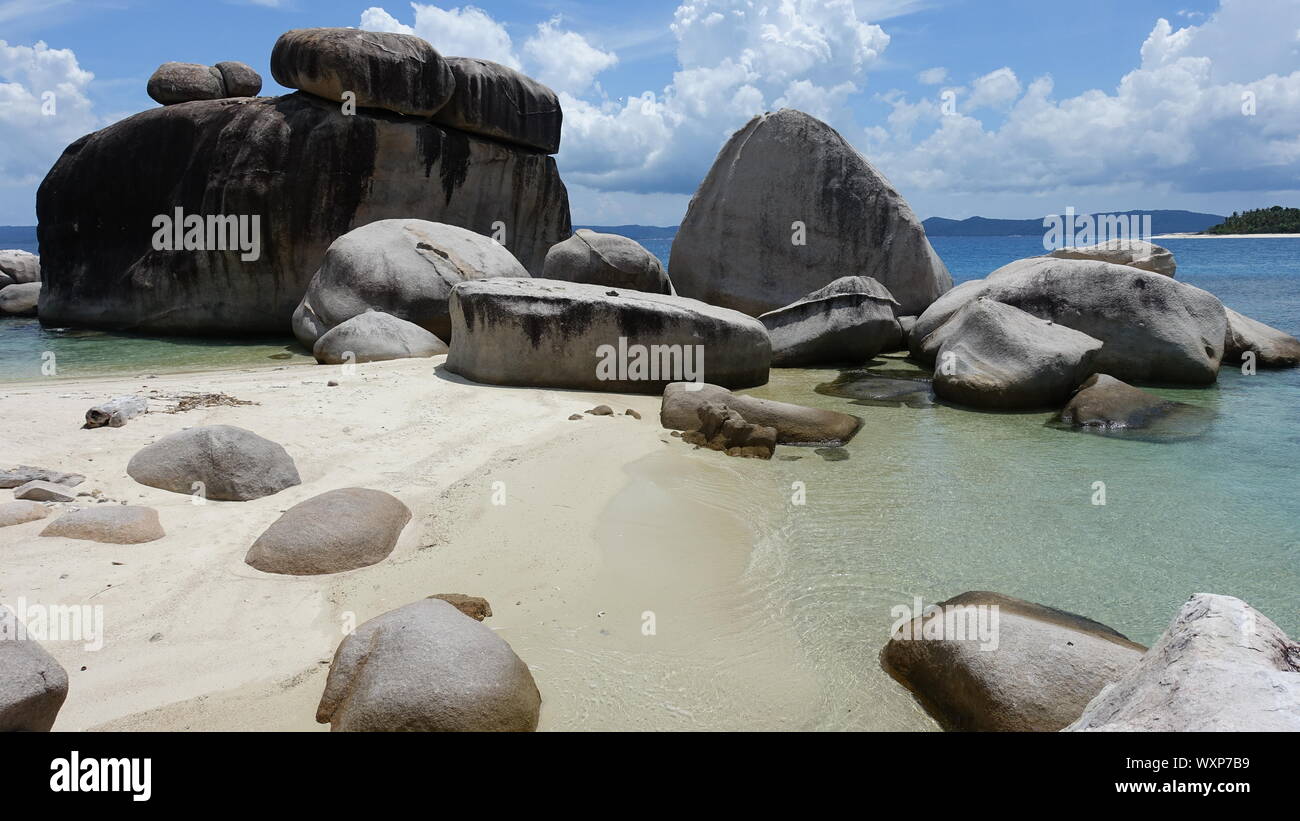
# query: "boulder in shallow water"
33, 685
1272, 348
299, 174
987, 662
20, 300
19, 267
721, 428
547, 333
110, 524
219, 462
1222, 666
397, 72
1134, 253
497, 101
849, 321
22, 512
427, 667
402, 267
1103, 401
174, 83
996, 356
606, 259
788, 206
1155, 329
795, 424
375, 337
336, 531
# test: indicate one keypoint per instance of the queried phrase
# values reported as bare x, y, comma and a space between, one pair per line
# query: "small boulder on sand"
18, 513
376, 336
110, 524
21, 475
336, 531
219, 462
427, 667
32, 684
38, 491
850, 321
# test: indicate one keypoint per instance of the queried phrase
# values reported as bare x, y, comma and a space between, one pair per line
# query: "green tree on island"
1275, 220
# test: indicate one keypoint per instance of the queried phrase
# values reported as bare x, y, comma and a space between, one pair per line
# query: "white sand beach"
1226, 236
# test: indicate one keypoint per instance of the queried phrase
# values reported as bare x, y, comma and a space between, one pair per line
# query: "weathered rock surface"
1040, 668
397, 72
546, 333
18, 513
795, 424
905, 326
476, 607
174, 83
992, 355
308, 172
497, 101
1222, 666
402, 267
850, 320
336, 531
375, 337
23, 474
20, 299
722, 428
239, 79
606, 259
428, 667
116, 412
1105, 402
737, 246
219, 462
110, 524
33, 685
1155, 329
1272, 348
39, 491
19, 266
1135, 253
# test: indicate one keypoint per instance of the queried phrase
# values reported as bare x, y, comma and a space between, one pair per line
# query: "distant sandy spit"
1226, 236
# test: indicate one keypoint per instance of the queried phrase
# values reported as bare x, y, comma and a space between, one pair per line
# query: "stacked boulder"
20, 283
382, 127
606, 259
1135, 253
174, 83
850, 320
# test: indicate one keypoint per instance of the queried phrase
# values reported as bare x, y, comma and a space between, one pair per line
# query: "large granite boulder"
1103, 401
33, 685
19, 266
396, 72
427, 667
497, 101
174, 83
1272, 348
110, 524
402, 267
995, 356
1222, 666
239, 79
740, 246
1135, 253
1155, 329
849, 321
795, 424
219, 462
336, 531
21, 299
606, 259
987, 662
547, 333
375, 337
306, 171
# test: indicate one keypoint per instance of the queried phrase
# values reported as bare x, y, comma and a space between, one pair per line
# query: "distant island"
1275, 220
1162, 222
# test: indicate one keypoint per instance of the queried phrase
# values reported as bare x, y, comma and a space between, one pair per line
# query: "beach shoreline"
1225, 236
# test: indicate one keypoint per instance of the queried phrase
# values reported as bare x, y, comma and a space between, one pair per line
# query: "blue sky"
1107, 105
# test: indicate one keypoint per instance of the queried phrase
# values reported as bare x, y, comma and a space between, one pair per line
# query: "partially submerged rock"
546, 333
1135, 253
850, 320
33, 685
219, 462
790, 205
375, 336
1019, 667
720, 427
497, 101
1272, 348
110, 524
1103, 401
336, 531
1222, 666
21, 299
795, 424
606, 259
427, 667
397, 72
21, 512
995, 356
402, 267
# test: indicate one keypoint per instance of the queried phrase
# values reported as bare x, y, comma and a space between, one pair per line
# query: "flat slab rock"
38, 491
336, 531
497, 101
110, 524
23, 474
